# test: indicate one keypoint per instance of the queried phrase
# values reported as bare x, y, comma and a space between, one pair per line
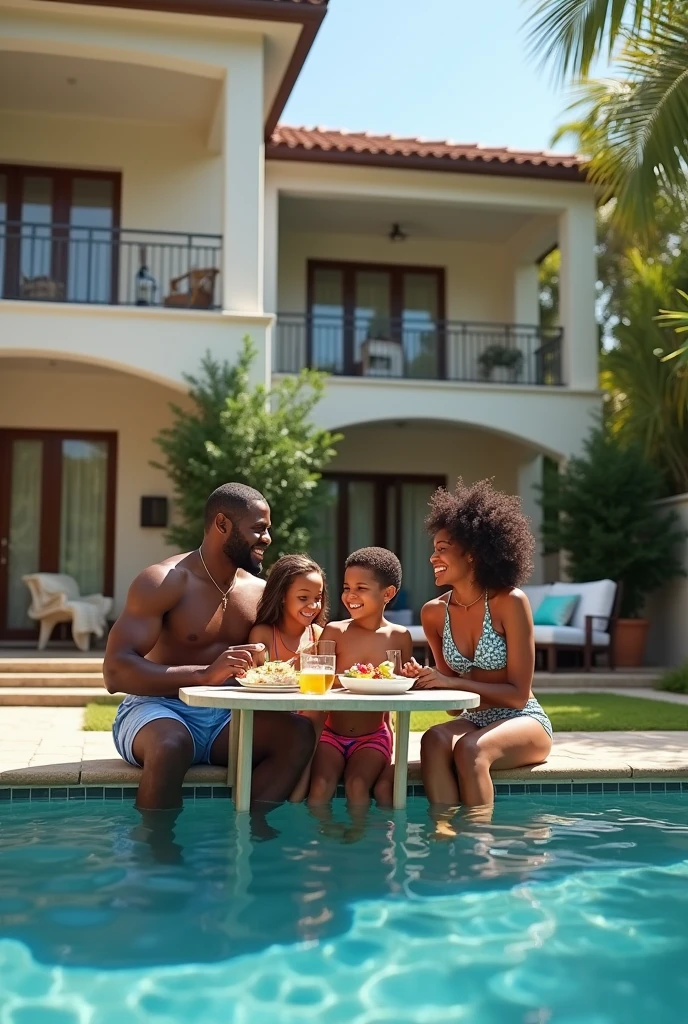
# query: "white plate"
269, 689
377, 687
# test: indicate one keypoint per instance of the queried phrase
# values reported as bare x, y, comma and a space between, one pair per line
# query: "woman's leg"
326, 771
437, 761
511, 743
383, 790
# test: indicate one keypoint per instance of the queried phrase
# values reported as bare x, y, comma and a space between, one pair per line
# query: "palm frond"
635, 128
570, 34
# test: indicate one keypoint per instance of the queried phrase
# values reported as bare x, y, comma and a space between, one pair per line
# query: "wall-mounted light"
153, 511
396, 234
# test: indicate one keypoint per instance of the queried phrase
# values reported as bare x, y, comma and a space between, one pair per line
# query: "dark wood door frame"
51, 493
62, 179
381, 482
396, 271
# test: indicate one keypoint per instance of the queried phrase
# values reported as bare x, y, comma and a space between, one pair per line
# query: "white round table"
242, 702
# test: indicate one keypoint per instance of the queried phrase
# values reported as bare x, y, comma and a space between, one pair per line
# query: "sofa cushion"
596, 598
556, 610
536, 593
568, 635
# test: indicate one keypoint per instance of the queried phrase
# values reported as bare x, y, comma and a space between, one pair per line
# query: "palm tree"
634, 128
646, 400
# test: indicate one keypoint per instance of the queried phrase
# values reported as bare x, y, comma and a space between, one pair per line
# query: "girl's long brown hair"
283, 573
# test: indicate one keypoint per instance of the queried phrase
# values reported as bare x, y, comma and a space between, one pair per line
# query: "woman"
481, 629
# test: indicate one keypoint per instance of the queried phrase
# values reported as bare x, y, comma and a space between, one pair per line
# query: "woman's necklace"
225, 593
467, 606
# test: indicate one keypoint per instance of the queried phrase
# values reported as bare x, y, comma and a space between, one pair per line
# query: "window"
57, 234
376, 320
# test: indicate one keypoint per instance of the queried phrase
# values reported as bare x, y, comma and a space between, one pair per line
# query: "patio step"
36, 665
50, 697
43, 680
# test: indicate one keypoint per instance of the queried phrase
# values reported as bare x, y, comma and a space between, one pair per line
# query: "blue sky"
454, 69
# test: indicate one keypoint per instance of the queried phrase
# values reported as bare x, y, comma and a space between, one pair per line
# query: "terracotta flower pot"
631, 638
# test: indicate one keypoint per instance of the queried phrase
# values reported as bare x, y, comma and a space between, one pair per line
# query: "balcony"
447, 351
109, 266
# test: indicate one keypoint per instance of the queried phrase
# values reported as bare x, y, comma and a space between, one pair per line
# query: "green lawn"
582, 712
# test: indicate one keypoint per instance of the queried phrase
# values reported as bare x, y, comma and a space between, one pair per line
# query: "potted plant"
494, 356
604, 515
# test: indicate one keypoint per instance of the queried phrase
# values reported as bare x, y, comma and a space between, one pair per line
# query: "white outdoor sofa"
55, 598
592, 626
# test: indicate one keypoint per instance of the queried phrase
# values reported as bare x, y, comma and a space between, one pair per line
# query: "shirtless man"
186, 623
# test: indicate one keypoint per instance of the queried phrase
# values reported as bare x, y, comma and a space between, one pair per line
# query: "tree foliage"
604, 515
260, 437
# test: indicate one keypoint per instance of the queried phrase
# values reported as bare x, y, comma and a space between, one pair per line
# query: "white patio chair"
55, 598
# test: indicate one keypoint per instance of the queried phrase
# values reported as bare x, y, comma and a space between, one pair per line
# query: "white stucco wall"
135, 409
668, 608
430, 449
170, 182
161, 344
478, 278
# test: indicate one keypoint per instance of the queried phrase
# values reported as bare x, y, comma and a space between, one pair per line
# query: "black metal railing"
109, 266
446, 350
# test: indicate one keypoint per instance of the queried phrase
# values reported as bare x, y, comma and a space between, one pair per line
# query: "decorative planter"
630, 641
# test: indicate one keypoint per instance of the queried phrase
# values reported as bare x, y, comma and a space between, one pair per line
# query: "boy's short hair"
384, 565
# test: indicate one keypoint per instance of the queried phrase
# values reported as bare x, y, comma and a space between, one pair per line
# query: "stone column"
577, 238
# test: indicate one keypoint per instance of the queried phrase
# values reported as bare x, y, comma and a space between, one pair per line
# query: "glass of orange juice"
316, 673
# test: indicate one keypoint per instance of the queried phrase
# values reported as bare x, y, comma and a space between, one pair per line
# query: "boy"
358, 744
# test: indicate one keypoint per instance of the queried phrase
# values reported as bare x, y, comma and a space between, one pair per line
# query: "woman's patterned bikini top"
490, 650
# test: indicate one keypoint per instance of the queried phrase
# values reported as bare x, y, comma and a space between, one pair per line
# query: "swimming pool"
561, 910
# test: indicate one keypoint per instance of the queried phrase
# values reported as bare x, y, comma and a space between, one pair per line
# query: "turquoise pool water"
571, 911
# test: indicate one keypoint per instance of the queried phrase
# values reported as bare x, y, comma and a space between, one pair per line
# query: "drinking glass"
395, 658
316, 674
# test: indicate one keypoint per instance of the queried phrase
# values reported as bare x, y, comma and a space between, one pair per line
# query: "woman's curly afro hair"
490, 526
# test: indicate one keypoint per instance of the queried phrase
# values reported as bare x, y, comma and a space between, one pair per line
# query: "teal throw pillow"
556, 610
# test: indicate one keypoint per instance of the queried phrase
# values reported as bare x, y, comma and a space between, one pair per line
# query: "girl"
293, 608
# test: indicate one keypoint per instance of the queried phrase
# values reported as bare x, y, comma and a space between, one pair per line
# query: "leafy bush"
260, 437
604, 515
676, 680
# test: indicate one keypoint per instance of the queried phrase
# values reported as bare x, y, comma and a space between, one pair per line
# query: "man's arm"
125, 668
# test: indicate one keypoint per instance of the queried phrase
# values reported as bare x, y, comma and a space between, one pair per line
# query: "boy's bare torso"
353, 645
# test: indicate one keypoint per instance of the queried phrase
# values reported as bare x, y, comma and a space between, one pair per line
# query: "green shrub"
676, 680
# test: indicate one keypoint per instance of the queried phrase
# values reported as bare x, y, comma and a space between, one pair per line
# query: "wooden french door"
377, 509
58, 232
57, 514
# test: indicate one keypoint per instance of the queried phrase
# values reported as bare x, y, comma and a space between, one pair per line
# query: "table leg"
401, 745
233, 747
242, 789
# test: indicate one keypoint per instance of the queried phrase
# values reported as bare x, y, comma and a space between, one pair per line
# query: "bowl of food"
273, 675
376, 680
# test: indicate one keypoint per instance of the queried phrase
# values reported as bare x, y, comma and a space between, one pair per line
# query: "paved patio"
47, 746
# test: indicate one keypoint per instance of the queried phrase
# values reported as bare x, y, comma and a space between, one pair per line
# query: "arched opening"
382, 478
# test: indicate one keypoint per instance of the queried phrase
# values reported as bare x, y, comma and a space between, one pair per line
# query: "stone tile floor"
47, 745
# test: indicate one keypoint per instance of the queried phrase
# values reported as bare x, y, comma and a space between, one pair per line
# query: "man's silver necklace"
225, 593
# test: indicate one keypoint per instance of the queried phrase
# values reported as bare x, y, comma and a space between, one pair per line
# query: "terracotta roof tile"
390, 150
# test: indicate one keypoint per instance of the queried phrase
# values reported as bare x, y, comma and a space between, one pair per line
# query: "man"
186, 623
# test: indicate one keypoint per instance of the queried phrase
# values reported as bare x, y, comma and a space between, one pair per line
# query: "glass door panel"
36, 258
83, 513
419, 324
372, 312
24, 539
419, 583
327, 320
361, 514
3, 229
324, 541
90, 275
